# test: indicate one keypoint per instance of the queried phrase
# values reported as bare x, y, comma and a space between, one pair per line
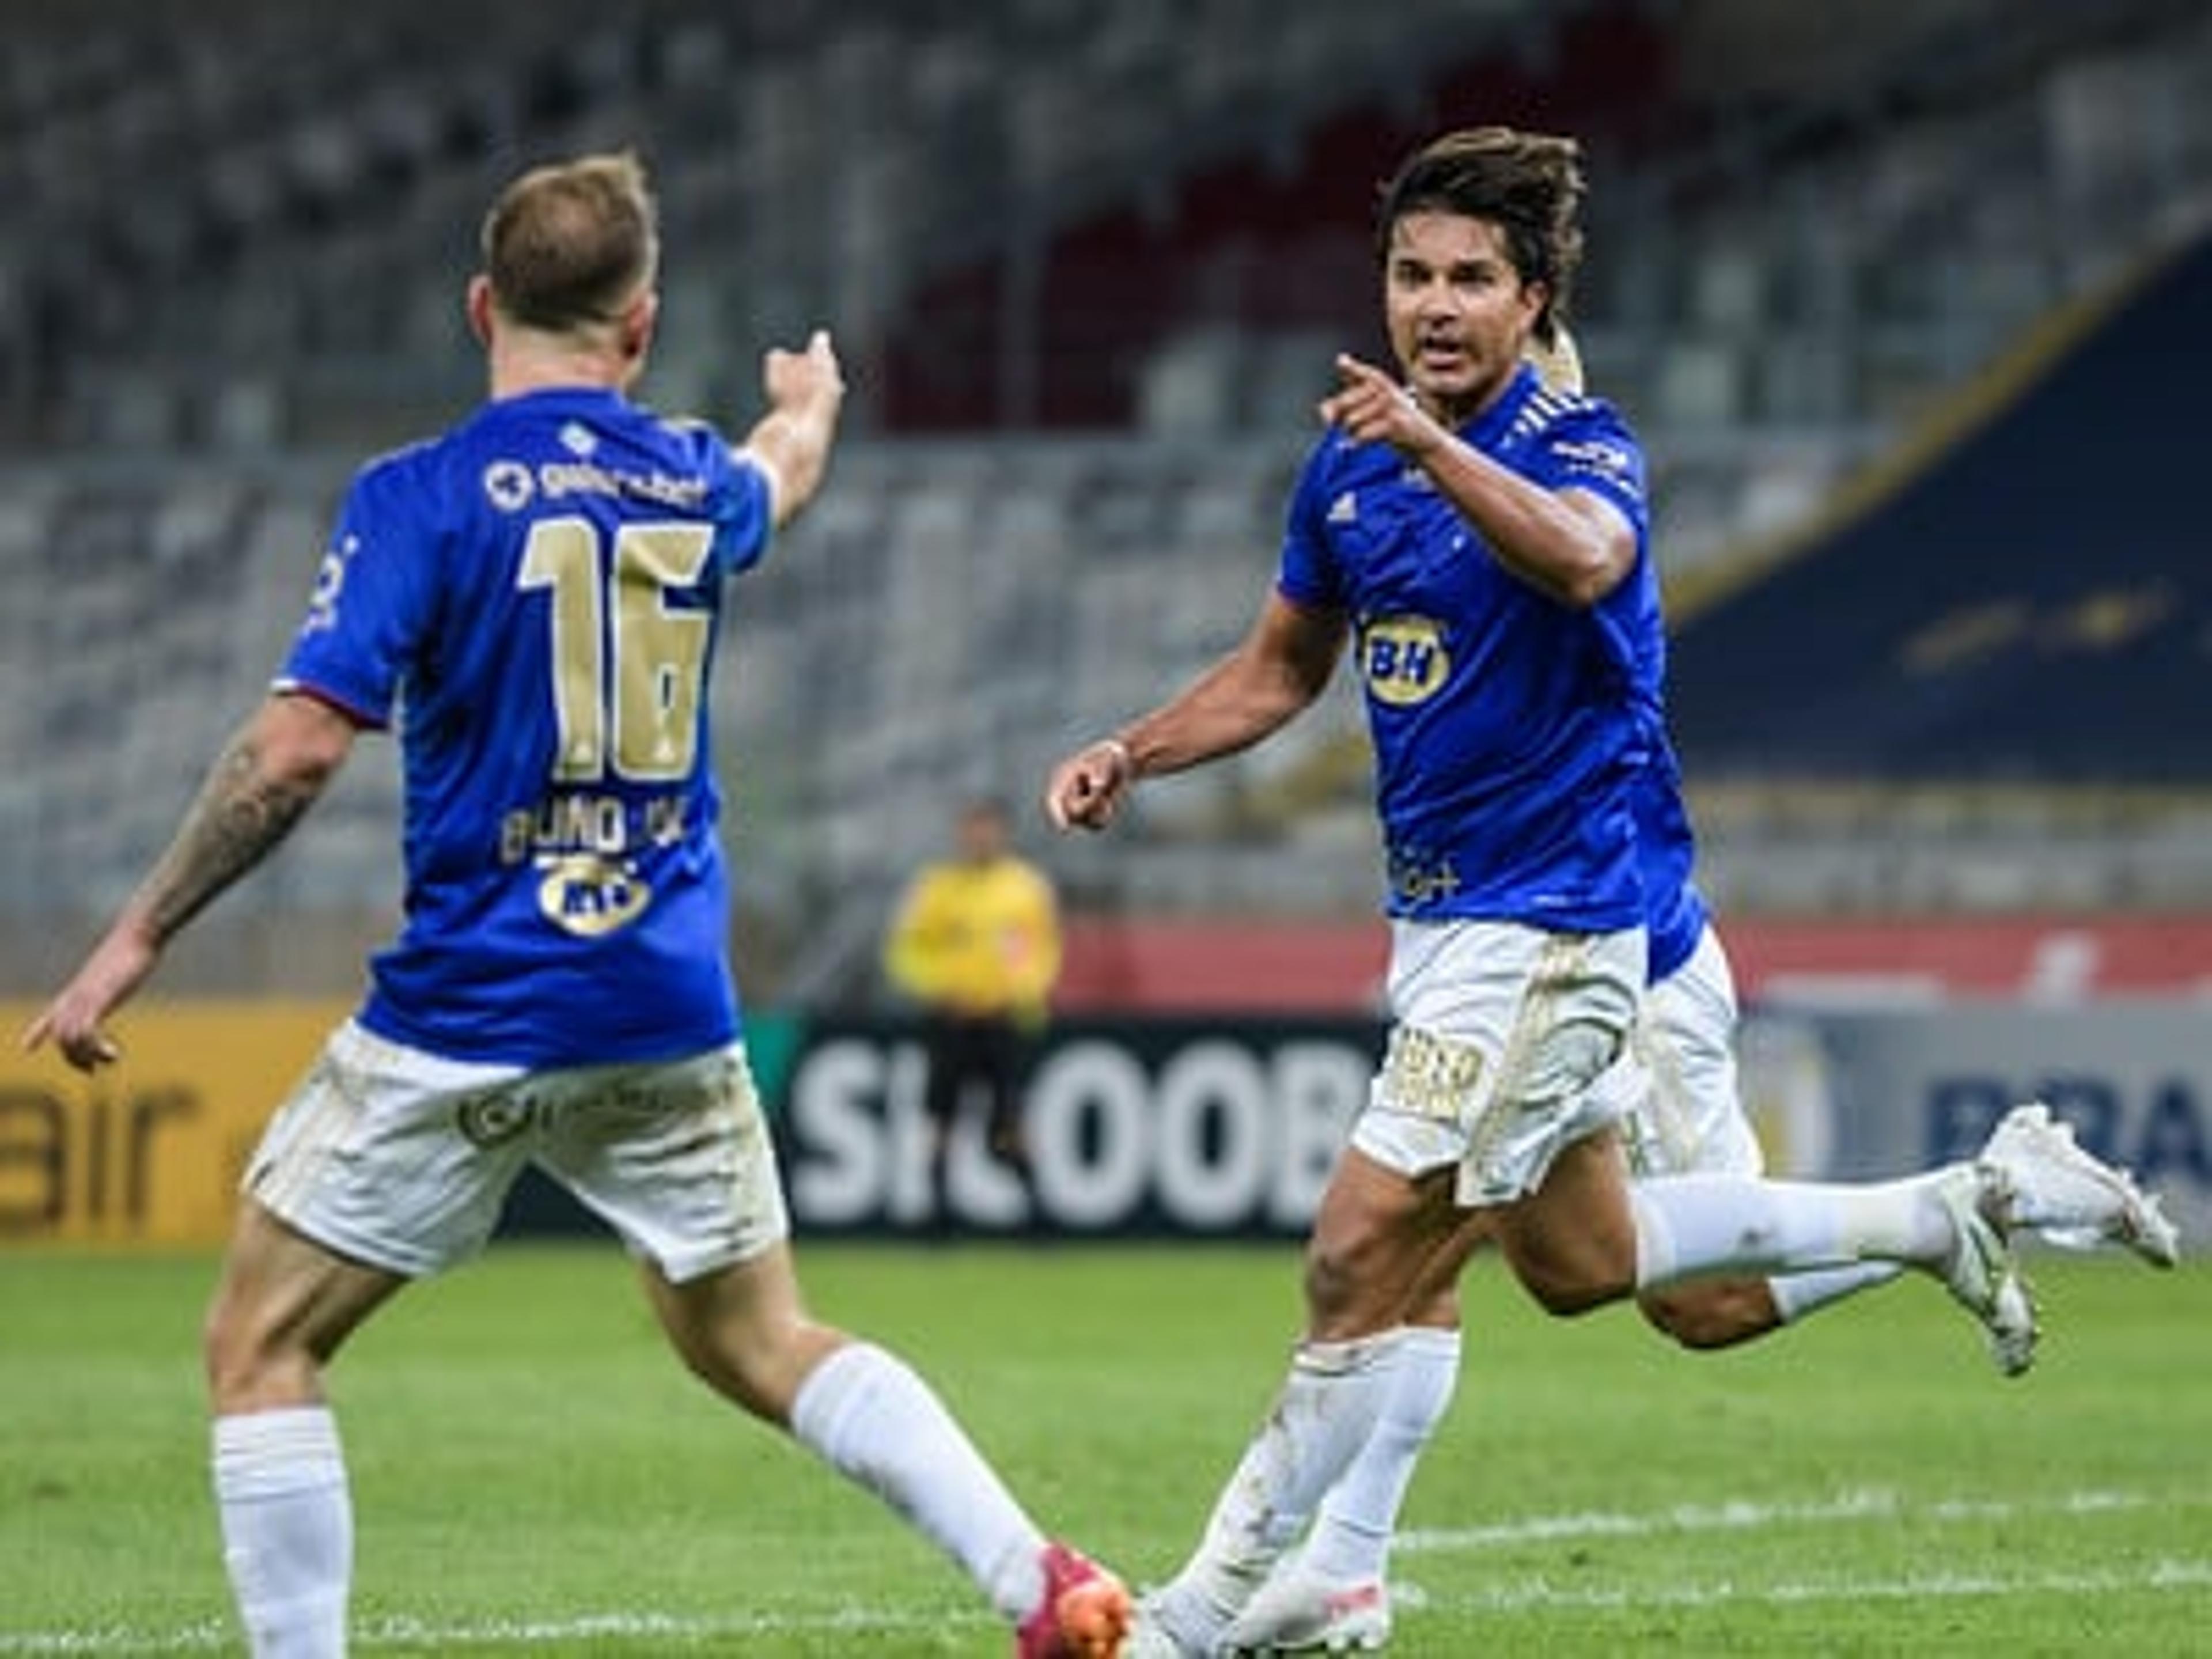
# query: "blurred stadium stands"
2029, 606
1087, 264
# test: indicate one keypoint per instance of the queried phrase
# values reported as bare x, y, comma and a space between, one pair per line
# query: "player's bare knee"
224, 1365
1347, 1291
1330, 1278
248, 1367
1705, 1316
1567, 1296
1567, 1283
1686, 1321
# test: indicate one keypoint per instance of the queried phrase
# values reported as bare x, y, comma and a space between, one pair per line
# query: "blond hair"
571, 244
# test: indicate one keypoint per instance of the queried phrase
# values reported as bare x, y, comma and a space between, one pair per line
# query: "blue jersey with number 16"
534, 599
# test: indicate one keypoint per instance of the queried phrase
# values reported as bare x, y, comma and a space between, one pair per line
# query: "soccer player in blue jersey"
534, 599
1481, 543
1679, 1112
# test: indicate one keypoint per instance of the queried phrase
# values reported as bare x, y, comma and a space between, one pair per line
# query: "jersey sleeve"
370, 603
1309, 574
738, 501
1590, 447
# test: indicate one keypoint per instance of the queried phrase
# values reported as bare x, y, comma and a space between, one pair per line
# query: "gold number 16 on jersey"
649, 692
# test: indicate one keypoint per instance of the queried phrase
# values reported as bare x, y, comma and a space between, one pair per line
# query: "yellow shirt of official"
977, 938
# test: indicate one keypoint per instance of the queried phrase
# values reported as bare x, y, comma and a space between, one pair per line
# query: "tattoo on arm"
240, 815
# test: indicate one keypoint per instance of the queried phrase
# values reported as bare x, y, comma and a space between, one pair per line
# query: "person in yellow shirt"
975, 943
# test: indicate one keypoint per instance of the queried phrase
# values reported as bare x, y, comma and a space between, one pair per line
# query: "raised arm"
273, 768
1570, 544
1277, 670
792, 442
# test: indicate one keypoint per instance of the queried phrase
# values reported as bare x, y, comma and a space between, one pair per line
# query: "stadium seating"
2027, 606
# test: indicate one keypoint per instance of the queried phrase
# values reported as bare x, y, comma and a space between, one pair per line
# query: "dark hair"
1527, 184
571, 244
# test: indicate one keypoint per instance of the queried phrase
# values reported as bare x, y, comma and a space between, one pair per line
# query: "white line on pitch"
1538, 1593
1745, 1515
210, 1635
1528, 1595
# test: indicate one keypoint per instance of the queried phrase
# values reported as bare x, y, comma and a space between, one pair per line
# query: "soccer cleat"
1296, 1612
1982, 1274
1151, 1639
2012, 1326
1084, 1614
2036, 1176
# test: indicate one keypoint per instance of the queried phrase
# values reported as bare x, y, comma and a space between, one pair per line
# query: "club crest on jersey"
1403, 659
590, 895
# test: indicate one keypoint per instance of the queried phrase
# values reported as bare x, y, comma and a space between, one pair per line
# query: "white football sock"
867, 1415
280, 1491
1688, 1225
1350, 1539
1327, 1408
1797, 1295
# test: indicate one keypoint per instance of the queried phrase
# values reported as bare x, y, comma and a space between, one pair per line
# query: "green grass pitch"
534, 1474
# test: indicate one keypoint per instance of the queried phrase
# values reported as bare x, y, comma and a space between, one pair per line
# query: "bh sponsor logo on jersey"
579, 843
589, 894
1403, 659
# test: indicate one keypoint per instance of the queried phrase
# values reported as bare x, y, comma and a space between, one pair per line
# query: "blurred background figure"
975, 944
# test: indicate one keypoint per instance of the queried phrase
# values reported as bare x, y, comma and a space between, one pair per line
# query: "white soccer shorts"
402, 1160
1676, 1088
1497, 1033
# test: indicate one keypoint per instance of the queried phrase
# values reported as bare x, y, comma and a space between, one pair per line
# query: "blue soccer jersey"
1506, 733
1675, 916
534, 598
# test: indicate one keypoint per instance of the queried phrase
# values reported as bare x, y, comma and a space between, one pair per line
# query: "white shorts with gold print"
1498, 1032
402, 1159
1677, 1084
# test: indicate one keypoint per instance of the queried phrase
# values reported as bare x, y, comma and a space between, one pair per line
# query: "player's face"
1458, 311
982, 836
